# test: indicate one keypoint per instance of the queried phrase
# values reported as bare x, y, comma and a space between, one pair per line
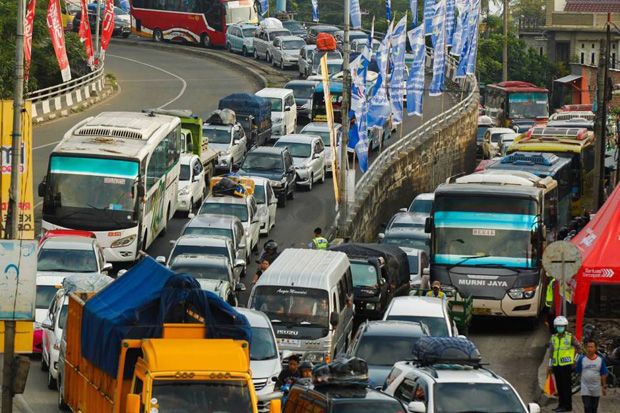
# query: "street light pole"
344, 110
505, 51
97, 25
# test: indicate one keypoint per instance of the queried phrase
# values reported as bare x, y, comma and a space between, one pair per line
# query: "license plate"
482, 311
288, 342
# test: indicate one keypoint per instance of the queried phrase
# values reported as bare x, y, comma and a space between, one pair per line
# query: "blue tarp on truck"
138, 303
245, 105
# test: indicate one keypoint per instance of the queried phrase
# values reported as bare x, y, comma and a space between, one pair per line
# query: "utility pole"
97, 27
344, 110
505, 51
601, 118
12, 219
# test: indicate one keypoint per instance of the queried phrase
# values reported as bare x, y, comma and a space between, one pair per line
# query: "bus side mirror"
141, 191
133, 403
428, 225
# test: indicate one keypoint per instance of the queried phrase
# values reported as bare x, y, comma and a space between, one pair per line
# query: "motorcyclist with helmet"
269, 252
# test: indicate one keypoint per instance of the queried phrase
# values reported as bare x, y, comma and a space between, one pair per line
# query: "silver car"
304, 60
284, 50
220, 225
263, 38
321, 129
230, 143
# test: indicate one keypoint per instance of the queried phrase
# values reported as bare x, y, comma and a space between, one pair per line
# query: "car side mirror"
381, 236
191, 215
403, 210
240, 287
141, 190
132, 403
287, 109
381, 281
236, 141
239, 263
161, 259
416, 407
41, 189
316, 156
171, 242
334, 318
428, 225
533, 408
106, 267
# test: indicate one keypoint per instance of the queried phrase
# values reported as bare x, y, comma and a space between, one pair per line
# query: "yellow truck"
178, 368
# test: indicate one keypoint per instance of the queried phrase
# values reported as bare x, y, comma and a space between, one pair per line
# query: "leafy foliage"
44, 71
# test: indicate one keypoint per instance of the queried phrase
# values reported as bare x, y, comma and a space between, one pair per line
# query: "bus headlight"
522, 293
123, 242
184, 191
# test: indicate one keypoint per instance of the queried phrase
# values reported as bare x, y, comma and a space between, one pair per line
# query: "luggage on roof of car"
350, 371
446, 350
222, 117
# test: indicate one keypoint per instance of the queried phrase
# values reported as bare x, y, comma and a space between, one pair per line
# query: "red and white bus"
516, 104
195, 21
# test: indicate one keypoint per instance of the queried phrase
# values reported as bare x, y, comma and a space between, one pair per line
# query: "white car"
308, 155
431, 311
265, 360
243, 208
192, 188
46, 288
283, 109
321, 129
422, 204
453, 388
267, 203
284, 50
229, 142
220, 225
418, 263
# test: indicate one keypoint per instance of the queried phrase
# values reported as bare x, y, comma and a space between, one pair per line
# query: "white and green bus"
115, 174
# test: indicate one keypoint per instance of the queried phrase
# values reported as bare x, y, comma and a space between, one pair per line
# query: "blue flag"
356, 14
315, 10
415, 82
388, 10
461, 27
473, 50
439, 58
450, 19
379, 105
264, 6
429, 12
470, 42
358, 138
413, 5
397, 55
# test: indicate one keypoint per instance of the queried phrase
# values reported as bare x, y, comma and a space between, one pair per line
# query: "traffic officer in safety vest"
319, 242
563, 347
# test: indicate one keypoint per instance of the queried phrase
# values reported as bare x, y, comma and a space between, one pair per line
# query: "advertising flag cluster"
358, 138
457, 40
85, 35
415, 82
28, 27
57, 35
356, 14
450, 17
379, 105
107, 27
469, 39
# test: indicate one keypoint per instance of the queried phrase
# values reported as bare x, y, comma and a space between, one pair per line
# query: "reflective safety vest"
563, 350
320, 243
431, 293
549, 295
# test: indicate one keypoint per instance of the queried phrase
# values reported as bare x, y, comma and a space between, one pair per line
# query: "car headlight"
277, 184
184, 191
522, 293
315, 358
371, 306
123, 242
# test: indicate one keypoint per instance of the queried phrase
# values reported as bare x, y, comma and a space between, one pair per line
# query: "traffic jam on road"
226, 320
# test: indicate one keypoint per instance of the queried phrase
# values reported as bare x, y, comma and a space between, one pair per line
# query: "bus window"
213, 13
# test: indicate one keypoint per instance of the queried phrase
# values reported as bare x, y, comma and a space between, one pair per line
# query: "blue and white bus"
115, 174
488, 232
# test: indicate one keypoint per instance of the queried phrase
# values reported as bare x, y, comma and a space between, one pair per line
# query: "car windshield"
356, 36
273, 35
249, 32
262, 162
385, 350
263, 345
420, 243
528, 105
406, 224
63, 260
364, 274
316, 57
45, 295
480, 133
259, 194
297, 150
202, 270
293, 306
436, 325
293, 44
495, 137
237, 210
222, 396
220, 232
301, 90
333, 68
217, 135
62, 317
476, 397
422, 206
324, 134
198, 249
276, 104
184, 175
369, 406
119, 12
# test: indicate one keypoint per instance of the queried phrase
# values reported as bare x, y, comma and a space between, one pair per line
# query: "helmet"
560, 321
306, 365
271, 246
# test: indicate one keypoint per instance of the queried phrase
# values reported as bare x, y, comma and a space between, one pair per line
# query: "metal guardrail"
64, 88
383, 160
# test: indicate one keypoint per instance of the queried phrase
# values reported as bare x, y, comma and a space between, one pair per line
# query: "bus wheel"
158, 36
205, 41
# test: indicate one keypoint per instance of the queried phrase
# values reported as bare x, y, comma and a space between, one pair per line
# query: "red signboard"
57, 34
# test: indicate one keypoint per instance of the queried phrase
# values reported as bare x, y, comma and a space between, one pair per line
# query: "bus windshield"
528, 105
197, 396
91, 193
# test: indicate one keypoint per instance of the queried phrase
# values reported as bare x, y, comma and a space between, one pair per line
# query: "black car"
339, 399
380, 272
275, 164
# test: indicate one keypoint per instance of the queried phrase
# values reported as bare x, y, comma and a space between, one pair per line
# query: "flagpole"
344, 110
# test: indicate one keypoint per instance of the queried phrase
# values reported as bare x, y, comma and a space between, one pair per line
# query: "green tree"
44, 71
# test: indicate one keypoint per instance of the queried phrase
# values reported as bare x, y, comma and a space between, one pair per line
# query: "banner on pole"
264, 7
315, 10
85, 35
356, 14
439, 55
397, 54
107, 27
329, 112
429, 12
413, 5
388, 10
57, 35
415, 82
28, 27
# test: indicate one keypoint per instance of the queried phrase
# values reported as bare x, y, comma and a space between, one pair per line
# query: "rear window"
436, 325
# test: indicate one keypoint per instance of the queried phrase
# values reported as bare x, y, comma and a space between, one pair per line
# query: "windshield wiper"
105, 210
471, 257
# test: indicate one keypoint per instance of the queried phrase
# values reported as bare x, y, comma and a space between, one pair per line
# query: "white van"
283, 109
308, 296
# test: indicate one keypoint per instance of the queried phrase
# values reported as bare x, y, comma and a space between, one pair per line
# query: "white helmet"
560, 321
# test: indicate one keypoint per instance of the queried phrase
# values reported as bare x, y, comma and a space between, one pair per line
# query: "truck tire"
51, 382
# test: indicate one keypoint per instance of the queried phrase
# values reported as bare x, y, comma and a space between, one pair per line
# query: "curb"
91, 98
241, 63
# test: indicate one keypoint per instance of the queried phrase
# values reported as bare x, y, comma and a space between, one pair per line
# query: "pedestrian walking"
319, 242
563, 347
593, 372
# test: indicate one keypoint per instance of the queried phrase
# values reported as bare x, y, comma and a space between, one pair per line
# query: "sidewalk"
606, 403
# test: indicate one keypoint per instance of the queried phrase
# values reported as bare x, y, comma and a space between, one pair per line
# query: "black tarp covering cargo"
246, 105
395, 259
